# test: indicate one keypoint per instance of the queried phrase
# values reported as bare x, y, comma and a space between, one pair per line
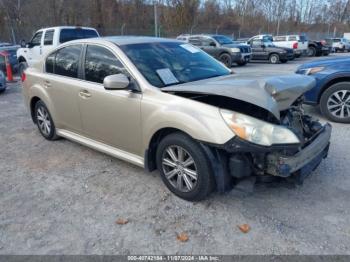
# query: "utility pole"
155, 18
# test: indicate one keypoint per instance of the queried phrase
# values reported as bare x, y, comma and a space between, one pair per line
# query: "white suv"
46, 39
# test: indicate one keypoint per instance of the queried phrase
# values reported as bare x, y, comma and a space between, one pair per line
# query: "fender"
325, 83
200, 121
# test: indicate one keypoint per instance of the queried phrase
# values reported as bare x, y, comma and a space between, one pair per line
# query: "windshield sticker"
190, 48
167, 76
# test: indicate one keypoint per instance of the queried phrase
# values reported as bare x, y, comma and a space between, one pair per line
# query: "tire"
226, 59
311, 52
21, 67
334, 104
201, 177
242, 63
274, 59
44, 121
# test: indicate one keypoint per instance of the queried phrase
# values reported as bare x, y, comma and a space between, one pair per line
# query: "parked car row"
274, 49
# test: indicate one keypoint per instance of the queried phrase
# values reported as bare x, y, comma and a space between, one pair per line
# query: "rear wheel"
44, 121
335, 102
184, 167
274, 59
311, 52
226, 59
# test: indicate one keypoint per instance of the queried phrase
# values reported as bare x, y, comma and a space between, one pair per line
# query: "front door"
34, 49
109, 116
258, 52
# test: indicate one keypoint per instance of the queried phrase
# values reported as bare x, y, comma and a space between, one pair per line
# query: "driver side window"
36, 40
257, 44
99, 63
207, 42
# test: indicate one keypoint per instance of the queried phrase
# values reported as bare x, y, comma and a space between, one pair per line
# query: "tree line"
239, 18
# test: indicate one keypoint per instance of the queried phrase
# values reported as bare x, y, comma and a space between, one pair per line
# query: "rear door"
110, 116
62, 83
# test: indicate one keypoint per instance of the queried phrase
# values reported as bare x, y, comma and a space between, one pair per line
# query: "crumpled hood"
273, 94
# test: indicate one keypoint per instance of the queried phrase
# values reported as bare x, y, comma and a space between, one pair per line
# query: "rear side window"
292, 38
67, 61
48, 38
303, 38
76, 33
99, 63
279, 38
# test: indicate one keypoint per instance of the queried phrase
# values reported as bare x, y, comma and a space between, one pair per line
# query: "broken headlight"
310, 71
257, 131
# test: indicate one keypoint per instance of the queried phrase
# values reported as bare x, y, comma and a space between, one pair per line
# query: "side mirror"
23, 43
212, 44
263, 46
116, 82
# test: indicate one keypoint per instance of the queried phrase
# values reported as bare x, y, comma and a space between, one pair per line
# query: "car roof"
126, 40
66, 27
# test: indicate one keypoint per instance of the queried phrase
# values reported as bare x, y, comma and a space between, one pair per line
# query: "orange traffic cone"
8, 70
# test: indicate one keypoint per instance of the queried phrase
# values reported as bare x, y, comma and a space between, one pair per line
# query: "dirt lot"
63, 198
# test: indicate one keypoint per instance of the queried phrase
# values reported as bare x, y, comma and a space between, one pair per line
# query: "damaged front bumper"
303, 162
245, 159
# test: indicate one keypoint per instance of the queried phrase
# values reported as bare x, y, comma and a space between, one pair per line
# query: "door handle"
84, 94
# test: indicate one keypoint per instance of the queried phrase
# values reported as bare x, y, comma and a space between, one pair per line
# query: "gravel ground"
63, 198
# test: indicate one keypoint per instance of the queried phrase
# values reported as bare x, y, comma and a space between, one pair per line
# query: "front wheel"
274, 59
21, 67
44, 121
226, 60
184, 167
335, 102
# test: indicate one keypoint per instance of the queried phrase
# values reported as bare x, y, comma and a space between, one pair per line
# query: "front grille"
245, 49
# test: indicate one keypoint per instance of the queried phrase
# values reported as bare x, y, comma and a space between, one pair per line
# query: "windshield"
171, 63
223, 40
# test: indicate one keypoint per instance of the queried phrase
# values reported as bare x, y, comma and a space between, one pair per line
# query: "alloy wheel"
338, 104
43, 119
179, 168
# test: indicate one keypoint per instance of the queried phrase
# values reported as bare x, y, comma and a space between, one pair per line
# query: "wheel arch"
150, 153
32, 104
329, 83
21, 59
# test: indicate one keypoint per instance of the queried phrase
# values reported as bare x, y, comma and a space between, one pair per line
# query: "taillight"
295, 45
23, 77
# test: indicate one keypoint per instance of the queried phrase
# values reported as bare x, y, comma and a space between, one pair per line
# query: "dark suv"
266, 50
222, 48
